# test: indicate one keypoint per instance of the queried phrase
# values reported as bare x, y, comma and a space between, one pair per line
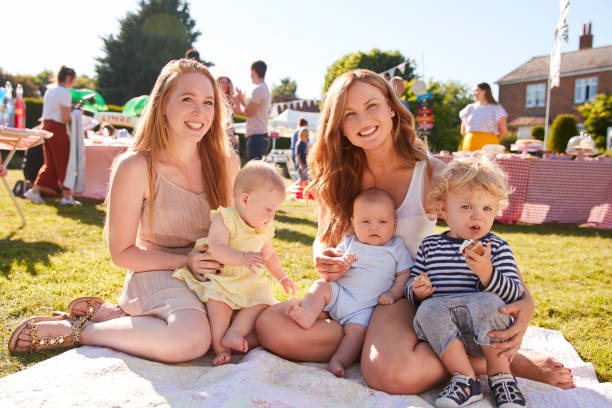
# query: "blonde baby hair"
255, 175
303, 132
476, 171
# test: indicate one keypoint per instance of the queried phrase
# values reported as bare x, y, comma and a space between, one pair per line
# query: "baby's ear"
244, 198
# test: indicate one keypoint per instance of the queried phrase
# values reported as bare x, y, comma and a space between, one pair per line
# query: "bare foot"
542, 368
235, 341
297, 313
336, 368
52, 328
222, 358
103, 312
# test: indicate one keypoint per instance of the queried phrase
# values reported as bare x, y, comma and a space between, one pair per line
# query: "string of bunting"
399, 67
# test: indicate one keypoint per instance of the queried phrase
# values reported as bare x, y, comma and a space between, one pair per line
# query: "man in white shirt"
256, 111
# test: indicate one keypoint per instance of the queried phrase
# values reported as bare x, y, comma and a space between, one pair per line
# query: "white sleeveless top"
413, 224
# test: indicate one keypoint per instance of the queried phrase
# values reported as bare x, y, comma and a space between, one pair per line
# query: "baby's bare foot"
542, 368
298, 314
235, 341
336, 368
222, 358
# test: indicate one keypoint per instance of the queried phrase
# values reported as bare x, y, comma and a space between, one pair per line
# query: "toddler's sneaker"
506, 392
462, 390
70, 201
33, 197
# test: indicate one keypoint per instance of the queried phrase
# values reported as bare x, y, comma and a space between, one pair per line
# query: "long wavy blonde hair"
151, 137
337, 166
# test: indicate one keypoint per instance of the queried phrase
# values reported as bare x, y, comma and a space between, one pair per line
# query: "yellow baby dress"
236, 286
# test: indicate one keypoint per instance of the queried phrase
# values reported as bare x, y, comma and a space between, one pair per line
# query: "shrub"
562, 130
239, 118
33, 111
508, 140
537, 132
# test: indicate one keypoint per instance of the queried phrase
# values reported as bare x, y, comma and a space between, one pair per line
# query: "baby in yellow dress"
240, 237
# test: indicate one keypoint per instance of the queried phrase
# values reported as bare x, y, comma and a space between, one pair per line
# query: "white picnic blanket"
101, 377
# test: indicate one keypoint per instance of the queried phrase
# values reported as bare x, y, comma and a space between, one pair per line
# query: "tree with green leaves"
159, 31
286, 89
376, 60
448, 100
597, 118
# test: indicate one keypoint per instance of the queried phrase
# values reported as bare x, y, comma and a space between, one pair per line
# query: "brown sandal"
47, 343
92, 301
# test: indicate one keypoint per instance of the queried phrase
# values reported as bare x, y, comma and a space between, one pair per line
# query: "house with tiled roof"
584, 73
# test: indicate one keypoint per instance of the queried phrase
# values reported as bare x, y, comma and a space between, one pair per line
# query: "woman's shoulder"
132, 163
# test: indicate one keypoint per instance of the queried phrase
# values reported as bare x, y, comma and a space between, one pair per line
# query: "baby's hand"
287, 285
349, 259
422, 288
386, 298
253, 261
481, 265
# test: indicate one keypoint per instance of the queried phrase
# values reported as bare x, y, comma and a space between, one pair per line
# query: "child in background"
302, 154
379, 269
459, 292
241, 239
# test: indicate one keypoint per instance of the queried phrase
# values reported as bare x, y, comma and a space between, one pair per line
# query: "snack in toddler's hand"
474, 245
422, 278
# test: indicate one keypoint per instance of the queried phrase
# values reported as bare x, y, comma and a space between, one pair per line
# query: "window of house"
585, 90
536, 96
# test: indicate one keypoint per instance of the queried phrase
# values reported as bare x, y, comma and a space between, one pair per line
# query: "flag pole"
547, 119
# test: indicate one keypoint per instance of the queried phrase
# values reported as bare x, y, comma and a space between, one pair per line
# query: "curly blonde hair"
475, 171
337, 166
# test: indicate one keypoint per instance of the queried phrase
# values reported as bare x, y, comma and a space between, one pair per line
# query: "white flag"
561, 33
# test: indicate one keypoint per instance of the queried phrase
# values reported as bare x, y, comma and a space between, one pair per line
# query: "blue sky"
468, 41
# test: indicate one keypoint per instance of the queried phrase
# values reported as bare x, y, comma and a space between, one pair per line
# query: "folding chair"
19, 139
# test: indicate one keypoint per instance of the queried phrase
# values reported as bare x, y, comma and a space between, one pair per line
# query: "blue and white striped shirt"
449, 273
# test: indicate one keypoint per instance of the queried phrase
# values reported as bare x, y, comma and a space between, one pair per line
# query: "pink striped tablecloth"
98, 162
557, 191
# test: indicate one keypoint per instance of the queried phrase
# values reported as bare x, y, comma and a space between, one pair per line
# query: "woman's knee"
186, 340
398, 374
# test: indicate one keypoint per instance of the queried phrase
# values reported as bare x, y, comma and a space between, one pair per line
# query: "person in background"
227, 89
484, 121
397, 82
55, 116
295, 140
302, 155
192, 54
256, 111
3, 170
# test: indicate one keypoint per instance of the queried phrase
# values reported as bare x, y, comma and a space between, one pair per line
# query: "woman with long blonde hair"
367, 140
161, 192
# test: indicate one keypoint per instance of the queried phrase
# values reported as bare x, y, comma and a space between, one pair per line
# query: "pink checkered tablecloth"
557, 191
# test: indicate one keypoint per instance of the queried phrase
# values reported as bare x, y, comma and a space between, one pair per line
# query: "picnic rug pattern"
101, 377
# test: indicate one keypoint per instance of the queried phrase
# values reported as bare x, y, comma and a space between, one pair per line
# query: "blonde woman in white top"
368, 140
484, 121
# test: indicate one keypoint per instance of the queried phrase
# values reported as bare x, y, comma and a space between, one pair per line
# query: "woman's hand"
330, 264
521, 311
200, 263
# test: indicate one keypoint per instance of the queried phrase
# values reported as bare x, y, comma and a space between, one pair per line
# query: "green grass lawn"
60, 254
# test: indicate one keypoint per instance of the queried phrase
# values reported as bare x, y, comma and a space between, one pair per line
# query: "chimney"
586, 39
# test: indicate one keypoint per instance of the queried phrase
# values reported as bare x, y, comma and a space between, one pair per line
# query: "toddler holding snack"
240, 238
379, 269
459, 285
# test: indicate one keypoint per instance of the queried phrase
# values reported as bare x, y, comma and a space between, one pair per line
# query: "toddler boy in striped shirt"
458, 305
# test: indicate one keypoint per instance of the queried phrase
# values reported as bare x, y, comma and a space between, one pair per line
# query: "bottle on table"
20, 108
8, 116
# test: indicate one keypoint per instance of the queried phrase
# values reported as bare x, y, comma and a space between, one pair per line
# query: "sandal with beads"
47, 343
92, 302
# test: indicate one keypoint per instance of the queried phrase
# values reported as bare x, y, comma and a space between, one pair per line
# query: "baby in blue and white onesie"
379, 269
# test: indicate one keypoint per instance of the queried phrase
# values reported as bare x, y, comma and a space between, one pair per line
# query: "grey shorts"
469, 317
344, 310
